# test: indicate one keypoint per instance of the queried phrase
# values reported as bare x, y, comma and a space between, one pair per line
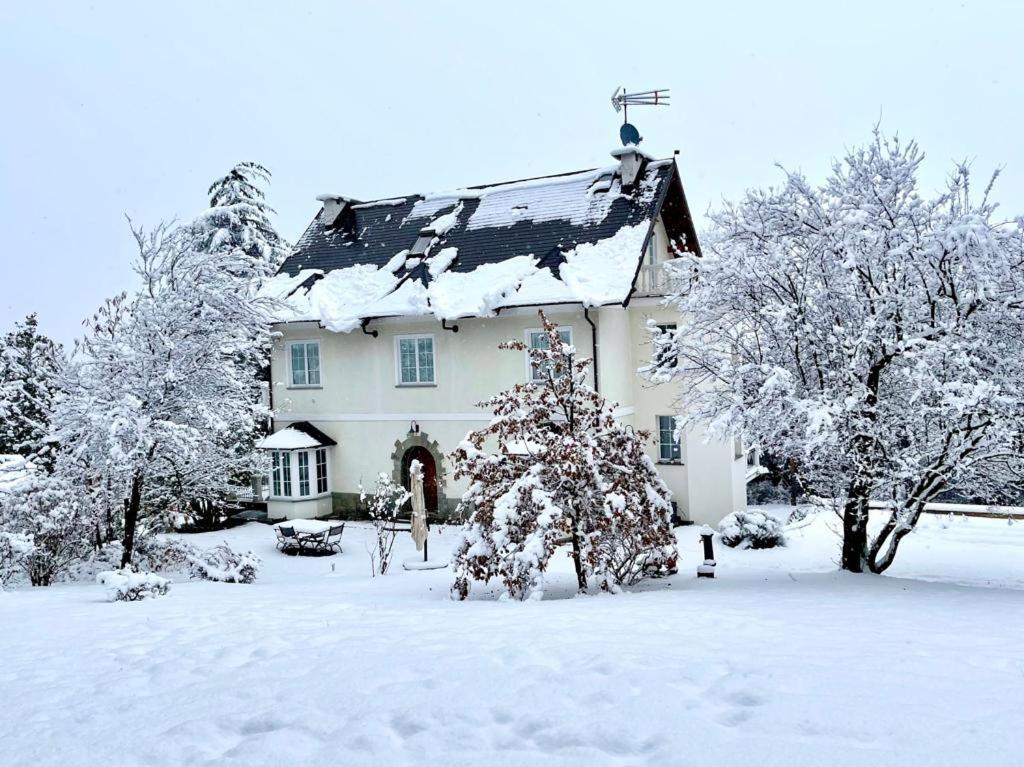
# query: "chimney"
632, 162
335, 206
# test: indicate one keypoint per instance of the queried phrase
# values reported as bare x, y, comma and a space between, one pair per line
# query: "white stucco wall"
360, 405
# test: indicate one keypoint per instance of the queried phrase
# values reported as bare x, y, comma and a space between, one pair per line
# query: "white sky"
135, 107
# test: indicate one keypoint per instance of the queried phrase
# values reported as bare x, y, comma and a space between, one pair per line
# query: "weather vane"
622, 101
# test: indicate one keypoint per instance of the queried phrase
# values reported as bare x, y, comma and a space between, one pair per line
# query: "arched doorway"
421, 454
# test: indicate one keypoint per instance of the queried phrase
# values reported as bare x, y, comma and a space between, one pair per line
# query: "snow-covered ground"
780, 660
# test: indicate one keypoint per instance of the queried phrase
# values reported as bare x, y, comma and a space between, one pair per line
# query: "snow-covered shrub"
764, 491
46, 508
127, 585
14, 548
751, 529
799, 514
163, 555
225, 565
383, 507
100, 559
565, 471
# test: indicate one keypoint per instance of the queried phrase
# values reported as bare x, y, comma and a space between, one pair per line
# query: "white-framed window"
665, 357
304, 363
321, 470
414, 360
303, 472
281, 473
669, 449
537, 338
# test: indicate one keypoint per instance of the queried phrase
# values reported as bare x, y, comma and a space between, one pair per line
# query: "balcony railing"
655, 280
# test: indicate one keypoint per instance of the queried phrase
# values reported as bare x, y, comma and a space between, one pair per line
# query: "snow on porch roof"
571, 238
300, 435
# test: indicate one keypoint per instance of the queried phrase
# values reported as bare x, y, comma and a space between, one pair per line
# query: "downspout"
593, 336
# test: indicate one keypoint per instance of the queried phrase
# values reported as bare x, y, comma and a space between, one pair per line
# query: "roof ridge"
454, 192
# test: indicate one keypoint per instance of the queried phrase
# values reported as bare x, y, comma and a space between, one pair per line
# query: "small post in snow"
707, 570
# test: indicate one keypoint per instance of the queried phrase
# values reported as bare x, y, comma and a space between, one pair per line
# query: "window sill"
315, 386
416, 386
669, 463
298, 498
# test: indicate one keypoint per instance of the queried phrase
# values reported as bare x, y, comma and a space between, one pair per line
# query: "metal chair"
334, 537
286, 539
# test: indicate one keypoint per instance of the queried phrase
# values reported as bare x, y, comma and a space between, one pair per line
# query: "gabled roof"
569, 238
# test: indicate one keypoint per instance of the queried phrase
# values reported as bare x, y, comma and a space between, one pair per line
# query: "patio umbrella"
419, 505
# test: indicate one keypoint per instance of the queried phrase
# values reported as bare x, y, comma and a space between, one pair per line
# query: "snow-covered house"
396, 308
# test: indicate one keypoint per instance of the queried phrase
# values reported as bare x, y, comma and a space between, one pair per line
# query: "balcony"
655, 280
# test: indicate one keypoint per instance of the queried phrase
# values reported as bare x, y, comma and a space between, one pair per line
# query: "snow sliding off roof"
574, 238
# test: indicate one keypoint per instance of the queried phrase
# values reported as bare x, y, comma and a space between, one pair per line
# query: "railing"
655, 280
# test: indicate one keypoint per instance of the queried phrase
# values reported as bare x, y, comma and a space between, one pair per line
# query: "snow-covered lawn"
778, 661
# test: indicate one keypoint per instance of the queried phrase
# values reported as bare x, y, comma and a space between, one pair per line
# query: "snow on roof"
298, 436
287, 439
566, 198
560, 239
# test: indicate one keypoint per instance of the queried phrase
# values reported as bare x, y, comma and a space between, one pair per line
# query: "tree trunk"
131, 516
855, 533
577, 559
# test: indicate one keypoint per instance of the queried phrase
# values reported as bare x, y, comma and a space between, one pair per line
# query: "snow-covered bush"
751, 529
565, 471
163, 555
225, 565
14, 549
127, 585
764, 491
46, 508
383, 507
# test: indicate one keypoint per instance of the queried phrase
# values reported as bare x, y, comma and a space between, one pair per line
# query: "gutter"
593, 336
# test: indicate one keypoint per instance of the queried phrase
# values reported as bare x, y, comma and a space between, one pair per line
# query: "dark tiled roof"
542, 217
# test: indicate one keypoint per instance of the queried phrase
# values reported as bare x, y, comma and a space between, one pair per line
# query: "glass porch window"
304, 473
321, 470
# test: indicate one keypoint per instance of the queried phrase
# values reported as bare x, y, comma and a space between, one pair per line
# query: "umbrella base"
415, 563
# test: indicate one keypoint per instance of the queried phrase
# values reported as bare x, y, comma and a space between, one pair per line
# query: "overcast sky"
134, 108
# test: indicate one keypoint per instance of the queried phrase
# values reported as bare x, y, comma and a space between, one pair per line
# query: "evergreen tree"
30, 365
238, 219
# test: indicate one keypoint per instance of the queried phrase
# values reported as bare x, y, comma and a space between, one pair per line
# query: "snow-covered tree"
162, 383
239, 220
30, 368
553, 467
869, 336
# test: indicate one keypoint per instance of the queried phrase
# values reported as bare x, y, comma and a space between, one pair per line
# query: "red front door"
422, 455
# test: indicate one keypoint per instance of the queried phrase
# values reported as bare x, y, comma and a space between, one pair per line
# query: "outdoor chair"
334, 537
286, 539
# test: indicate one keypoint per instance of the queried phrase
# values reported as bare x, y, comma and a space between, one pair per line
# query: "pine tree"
564, 470
238, 219
30, 366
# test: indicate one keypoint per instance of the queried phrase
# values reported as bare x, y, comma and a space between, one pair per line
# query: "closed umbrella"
419, 505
